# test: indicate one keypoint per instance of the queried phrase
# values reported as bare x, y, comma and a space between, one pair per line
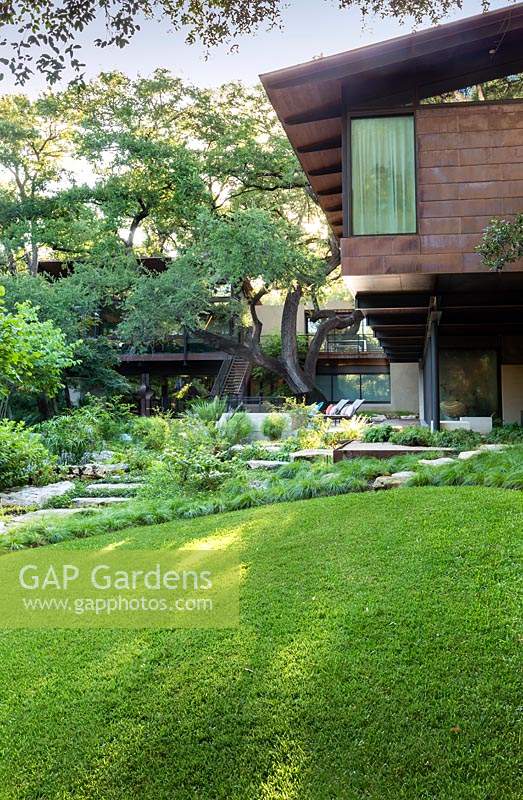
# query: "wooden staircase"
232, 378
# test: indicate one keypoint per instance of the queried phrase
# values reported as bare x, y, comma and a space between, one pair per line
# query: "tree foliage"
43, 35
205, 181
502, 243
33, 354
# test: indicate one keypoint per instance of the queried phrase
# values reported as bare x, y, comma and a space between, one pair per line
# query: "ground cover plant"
377, 657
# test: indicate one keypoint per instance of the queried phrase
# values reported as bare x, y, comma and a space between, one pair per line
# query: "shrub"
257, 451
153, 432
506, 434
300, 411
413, 436
378, 433
113, 416
208, 410
23, 456
237, 428
195, 469
461, 439
314, 434
73, 436
348, 430
274, 425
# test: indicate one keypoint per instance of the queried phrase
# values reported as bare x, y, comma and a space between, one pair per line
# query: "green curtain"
383, 175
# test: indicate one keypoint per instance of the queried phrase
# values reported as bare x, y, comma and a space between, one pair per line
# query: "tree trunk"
33, 260
44, 406
300, 379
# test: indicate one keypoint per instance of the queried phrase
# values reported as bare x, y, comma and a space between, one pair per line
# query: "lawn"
377, 657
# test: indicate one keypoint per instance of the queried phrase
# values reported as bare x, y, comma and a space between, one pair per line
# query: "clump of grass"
502, 470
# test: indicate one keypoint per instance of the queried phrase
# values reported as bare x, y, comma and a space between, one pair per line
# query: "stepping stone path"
311, 454
260, 464
38, 496
436, 462
99, 501
35, 495
111, 487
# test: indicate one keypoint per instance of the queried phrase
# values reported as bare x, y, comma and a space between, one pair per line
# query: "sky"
310, 28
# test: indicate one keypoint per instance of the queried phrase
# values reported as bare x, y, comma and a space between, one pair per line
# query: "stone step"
95, 470
312, 454
436, 462
261, 464
35, 495
86, 502
111, 487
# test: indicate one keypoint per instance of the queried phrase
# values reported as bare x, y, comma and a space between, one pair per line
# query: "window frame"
334, 374
347, 197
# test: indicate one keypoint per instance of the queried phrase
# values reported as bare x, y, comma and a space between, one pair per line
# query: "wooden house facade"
408, 182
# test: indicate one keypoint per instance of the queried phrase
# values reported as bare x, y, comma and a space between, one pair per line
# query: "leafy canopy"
43, 35
33, 354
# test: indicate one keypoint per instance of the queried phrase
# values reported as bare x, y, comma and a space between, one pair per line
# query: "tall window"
372, 387
383, 175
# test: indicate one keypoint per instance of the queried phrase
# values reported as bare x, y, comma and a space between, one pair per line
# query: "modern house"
408, 182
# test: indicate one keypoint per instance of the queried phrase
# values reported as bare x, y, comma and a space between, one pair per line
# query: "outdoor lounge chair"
335, 410
347, 411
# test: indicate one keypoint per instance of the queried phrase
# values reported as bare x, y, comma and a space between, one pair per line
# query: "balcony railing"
336, 343
359, 345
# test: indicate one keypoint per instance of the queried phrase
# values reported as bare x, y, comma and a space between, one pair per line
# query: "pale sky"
311, 28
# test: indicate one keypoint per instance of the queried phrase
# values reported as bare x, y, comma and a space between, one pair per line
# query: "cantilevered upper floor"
408, 185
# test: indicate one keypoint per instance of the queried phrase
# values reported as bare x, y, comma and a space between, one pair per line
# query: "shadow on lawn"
374, 659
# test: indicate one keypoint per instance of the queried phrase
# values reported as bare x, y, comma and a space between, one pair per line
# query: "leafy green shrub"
196, 469
208, 410
378, 433
413, 436
274, 426
73, 436
461, 439
506, 434
113, 416
154, 432
237, 428
23, 456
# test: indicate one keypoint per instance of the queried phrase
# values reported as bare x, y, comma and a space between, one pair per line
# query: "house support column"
434, 361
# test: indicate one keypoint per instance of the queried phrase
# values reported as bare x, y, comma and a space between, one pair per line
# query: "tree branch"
332, 320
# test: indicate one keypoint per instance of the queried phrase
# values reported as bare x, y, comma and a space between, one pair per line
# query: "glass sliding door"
383, 171
468, 383
372, 387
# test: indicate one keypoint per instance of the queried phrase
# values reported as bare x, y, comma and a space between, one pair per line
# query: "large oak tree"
43, 35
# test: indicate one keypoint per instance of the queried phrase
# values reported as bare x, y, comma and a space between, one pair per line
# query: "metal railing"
359, 345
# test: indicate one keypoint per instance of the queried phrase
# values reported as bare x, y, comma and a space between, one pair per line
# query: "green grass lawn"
377, 657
